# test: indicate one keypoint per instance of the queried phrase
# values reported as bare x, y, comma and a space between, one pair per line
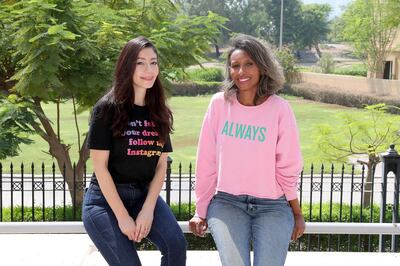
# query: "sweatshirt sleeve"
289, 161
206, 165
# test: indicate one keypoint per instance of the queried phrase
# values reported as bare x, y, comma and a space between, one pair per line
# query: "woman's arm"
206, 171
299, 224
145, 216
107, 186
289, 164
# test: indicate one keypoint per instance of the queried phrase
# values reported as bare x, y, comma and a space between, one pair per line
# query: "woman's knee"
176, 242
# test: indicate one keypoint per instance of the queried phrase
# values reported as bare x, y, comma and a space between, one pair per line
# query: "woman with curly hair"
248, 162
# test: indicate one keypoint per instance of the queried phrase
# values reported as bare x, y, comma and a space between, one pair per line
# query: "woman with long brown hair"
129, 144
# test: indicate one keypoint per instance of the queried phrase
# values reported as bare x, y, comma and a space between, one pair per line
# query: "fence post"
390, 163
168, 181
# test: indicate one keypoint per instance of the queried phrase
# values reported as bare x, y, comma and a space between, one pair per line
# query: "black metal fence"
326, 194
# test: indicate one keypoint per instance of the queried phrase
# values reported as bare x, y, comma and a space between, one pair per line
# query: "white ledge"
311, 228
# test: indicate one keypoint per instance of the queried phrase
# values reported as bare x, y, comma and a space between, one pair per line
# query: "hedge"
194, 88
335, 96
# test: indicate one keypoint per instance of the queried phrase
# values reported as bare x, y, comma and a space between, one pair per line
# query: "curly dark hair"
272, 77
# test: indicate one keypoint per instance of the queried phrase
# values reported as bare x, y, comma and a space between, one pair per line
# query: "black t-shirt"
134, 155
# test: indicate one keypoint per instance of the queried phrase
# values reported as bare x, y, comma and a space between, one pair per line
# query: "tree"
16, 118
393, 13
7, 61
233, 10
292, 19
370, 25
336, 26
60, 51
315, 26
303, 25
286, 58
356, 138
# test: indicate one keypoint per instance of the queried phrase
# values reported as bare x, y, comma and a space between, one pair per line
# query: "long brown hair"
121, 97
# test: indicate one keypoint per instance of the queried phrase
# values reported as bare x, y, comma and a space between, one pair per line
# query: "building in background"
392, 62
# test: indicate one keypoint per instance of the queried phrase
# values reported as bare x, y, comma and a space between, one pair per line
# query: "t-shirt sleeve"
100, 133
167, 146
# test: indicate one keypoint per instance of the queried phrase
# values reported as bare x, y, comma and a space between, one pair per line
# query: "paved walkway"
75, 250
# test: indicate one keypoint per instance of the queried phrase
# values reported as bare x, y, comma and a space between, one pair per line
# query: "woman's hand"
198, 226
144, 221
299, 226
127, 226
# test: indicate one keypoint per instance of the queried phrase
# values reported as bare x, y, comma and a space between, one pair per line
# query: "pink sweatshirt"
250, 150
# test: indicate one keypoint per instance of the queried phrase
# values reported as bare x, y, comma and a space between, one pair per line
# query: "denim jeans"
239, 222
102, 227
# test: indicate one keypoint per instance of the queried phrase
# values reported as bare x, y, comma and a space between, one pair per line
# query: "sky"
336, 5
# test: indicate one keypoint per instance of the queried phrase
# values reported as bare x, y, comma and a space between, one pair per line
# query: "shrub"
353, 70
287, 60
206, 74
194, 88
326, 63
39, 214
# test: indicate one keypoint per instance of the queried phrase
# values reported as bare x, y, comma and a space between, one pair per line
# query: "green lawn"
188, 116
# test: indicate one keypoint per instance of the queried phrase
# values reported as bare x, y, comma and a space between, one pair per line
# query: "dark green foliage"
287, 60
206, 74
195, 88
353, 70
50, 214
16, 117
315, 28
182, 213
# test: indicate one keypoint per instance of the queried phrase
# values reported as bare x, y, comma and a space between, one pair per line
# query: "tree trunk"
217, 53
318, 50
367, 187
376, 67
73, 174
373, 160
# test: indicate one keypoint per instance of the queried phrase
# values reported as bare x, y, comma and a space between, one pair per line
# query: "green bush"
39, 214
206, 74
287, 60
326, 63
194, 88
353, 70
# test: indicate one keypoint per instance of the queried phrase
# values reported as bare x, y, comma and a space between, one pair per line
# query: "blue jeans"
236, 222
102, 227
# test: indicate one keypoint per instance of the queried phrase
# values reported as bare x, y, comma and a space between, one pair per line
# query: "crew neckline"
252, 106
140, 106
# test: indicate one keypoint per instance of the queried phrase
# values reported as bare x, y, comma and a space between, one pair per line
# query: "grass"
188, 116
350, 70
38, 151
